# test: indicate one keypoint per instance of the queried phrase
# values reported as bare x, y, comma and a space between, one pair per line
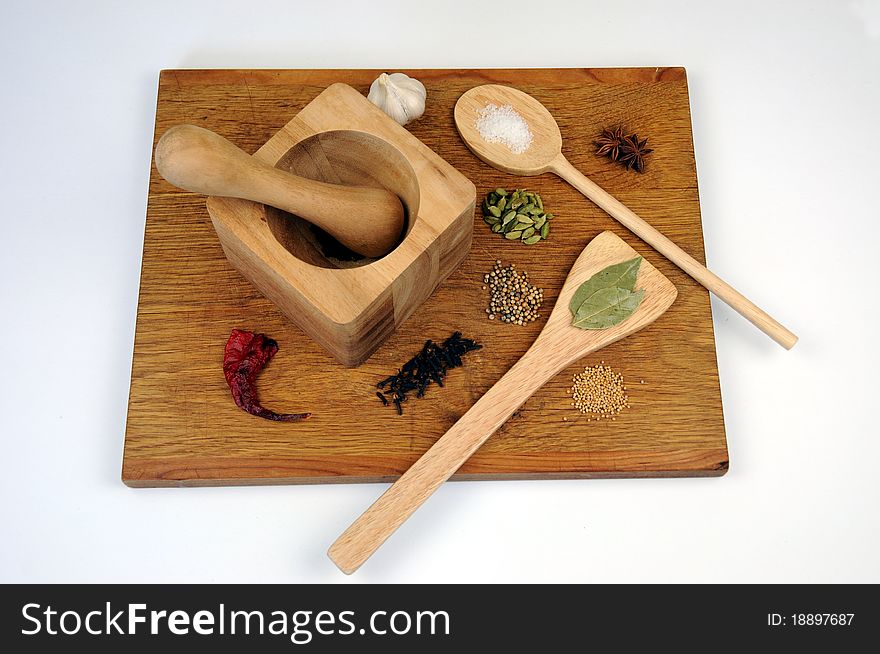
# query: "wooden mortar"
350, 307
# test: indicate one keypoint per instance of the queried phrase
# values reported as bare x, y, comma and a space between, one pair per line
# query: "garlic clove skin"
400, 96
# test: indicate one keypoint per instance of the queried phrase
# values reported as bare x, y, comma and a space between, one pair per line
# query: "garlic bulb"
400, 96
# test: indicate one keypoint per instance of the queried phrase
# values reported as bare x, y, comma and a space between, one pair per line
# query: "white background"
785, 101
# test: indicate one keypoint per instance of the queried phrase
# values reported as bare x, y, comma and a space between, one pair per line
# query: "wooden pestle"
366, 220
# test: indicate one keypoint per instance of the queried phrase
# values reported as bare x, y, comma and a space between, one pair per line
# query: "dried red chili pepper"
245, 356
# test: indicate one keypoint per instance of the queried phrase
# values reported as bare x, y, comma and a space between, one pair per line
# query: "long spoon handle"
626, 217
440, 462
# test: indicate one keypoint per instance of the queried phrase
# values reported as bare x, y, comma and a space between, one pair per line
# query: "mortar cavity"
342, 157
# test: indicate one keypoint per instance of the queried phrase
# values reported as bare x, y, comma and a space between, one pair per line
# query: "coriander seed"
512, 299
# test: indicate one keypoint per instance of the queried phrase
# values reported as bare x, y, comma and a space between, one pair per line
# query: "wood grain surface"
183, 428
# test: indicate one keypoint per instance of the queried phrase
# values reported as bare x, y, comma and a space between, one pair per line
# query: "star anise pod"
633, 153
609, 143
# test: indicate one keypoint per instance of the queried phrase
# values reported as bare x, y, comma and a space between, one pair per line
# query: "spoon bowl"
546, 144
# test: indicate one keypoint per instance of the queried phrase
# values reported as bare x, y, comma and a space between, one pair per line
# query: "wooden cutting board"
183, 428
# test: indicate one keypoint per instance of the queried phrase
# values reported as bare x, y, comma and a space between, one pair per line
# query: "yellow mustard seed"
599, 392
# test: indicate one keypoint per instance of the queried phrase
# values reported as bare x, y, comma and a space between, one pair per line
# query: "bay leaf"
607, 307
617, 275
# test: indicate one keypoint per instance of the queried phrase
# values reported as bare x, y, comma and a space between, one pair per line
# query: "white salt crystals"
504, 125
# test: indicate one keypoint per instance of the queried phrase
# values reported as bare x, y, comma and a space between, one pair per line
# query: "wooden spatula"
558, 345
545, 155
366, 220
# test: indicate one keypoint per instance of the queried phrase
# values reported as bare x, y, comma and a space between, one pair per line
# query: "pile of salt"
504, 125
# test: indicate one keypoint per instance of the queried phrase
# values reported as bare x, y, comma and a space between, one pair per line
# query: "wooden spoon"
558, 345
366, 220
545, 155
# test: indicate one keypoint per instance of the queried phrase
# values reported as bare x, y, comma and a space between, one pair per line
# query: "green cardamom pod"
516, 214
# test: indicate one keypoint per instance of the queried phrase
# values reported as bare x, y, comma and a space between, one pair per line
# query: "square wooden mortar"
350, 308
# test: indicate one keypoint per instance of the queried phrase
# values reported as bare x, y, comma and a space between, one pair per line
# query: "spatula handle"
447, 455
629, 219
